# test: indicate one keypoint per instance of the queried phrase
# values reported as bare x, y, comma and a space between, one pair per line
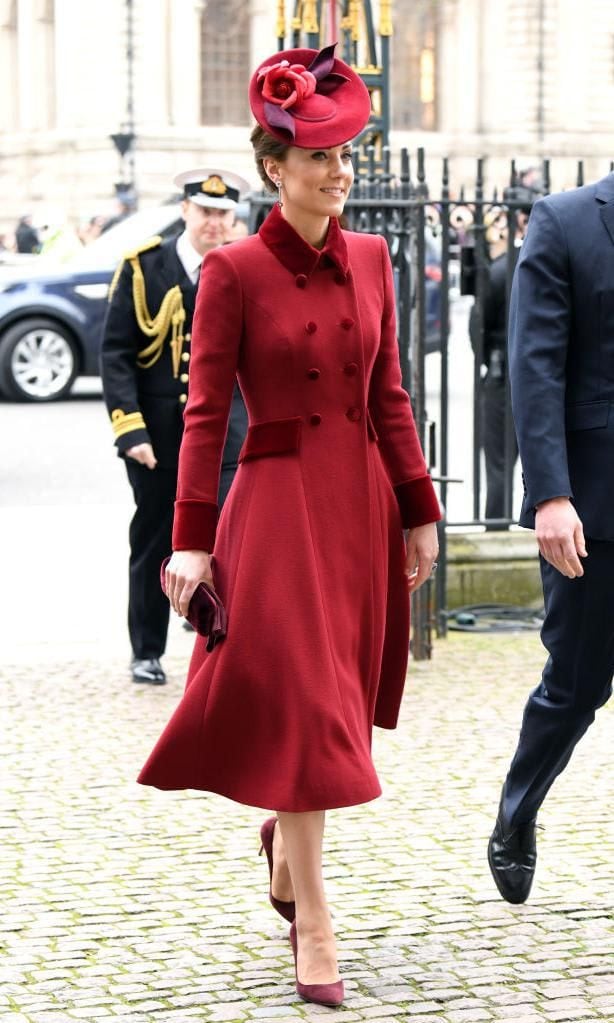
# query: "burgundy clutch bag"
206, 612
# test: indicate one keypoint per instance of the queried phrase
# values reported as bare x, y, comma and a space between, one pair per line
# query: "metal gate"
441, 245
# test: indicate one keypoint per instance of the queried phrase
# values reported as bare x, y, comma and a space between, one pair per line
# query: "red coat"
309, 552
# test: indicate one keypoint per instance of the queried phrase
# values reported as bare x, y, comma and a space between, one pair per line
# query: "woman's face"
316, 182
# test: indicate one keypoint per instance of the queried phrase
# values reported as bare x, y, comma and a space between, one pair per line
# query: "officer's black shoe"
148, 670
512, 855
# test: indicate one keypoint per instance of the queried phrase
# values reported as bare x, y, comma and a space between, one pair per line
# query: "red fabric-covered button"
350, 369
311, 327
313, 374
301, 281
339, 278
315, 419
347, 323
354, 414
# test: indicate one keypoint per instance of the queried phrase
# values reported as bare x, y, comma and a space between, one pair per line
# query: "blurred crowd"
50, 231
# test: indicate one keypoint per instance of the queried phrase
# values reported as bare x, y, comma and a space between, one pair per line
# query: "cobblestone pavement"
120, 901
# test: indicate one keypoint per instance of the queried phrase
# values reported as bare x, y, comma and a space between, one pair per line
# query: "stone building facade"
498, 78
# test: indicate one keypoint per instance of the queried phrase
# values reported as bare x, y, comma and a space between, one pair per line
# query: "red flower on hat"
286, 84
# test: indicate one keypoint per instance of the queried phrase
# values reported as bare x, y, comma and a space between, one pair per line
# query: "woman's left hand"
422, 551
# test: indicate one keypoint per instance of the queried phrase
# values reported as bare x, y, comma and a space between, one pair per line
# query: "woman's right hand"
184, 572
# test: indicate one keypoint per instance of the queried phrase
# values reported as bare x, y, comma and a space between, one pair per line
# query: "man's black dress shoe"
149, 670
512, 855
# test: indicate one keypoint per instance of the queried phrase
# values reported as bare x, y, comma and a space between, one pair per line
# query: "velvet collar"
297, 255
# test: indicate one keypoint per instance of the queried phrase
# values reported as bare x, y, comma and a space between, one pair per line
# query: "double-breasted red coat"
308, 551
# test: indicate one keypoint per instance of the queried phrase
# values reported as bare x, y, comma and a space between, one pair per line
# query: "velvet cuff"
194, 526
418, 502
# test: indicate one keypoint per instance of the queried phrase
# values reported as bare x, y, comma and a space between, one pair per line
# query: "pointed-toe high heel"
285, 909
321, 994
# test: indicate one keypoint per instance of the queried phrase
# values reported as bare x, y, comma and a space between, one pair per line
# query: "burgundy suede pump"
321, 994
285, 909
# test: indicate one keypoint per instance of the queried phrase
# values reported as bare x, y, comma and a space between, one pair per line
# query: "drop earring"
279, 200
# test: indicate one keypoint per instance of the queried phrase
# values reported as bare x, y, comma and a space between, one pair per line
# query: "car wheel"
38, 361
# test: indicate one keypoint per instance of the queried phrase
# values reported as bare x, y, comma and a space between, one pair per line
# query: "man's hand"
560, 536
143, 453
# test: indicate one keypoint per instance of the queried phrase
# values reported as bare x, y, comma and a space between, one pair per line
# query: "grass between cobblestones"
123, 902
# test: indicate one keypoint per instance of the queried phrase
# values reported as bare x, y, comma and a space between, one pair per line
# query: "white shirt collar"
189, 257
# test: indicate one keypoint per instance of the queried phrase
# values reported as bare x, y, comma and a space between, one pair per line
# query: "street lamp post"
124, 140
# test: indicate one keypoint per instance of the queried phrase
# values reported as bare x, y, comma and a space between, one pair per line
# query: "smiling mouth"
333, 191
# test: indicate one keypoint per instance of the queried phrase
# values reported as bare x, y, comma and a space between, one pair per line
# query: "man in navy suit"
561, 358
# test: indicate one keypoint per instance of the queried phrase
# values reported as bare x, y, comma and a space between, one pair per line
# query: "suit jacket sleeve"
121, 342
538, 341
390, 409
216, 337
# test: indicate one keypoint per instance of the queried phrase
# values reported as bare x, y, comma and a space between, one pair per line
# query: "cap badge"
214, 186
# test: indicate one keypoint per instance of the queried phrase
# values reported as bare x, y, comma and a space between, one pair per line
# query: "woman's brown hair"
265, 145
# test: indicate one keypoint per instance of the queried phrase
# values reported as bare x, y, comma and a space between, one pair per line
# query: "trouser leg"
493, 431
578, 633
150, 542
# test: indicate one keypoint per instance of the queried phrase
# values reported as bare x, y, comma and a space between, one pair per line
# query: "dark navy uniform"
145, 365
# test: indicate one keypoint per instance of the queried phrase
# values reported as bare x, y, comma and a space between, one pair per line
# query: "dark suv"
52, 314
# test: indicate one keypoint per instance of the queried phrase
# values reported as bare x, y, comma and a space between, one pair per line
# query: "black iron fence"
444, 246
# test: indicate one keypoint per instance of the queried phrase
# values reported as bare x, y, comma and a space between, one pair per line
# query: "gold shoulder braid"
170, 315
145, 247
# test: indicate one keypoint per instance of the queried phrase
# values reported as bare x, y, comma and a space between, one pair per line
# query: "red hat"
309, 98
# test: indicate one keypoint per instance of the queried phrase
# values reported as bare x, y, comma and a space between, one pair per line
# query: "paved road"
65, 506
120, 902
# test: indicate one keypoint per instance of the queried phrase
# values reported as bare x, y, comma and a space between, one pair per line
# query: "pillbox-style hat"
309, 98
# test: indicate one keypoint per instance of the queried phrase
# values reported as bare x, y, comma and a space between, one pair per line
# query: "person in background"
493, 393
59, 239
26, 236
91, 228
145, 366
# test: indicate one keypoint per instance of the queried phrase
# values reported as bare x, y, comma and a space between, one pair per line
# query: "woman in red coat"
309, 552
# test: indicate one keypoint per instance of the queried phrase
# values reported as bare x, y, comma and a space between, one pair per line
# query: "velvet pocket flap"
275, 437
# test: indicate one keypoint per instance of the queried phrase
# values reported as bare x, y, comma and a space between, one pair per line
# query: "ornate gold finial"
281, 19
385, 18
354, 19
214, 186
310, 16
